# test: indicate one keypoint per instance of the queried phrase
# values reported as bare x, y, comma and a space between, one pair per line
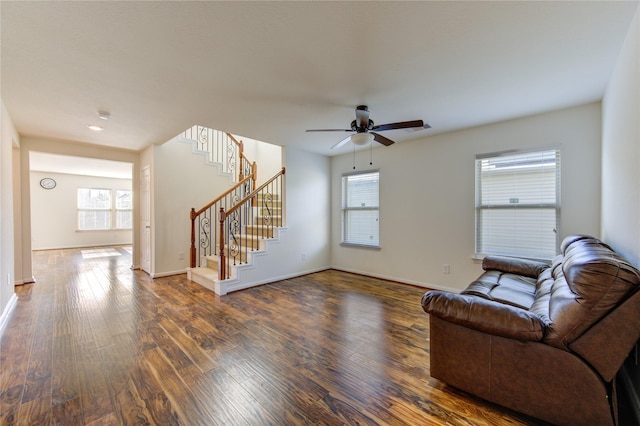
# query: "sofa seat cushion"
511, 289
508, 280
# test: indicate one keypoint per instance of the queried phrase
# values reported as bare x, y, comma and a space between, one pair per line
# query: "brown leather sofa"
545, 340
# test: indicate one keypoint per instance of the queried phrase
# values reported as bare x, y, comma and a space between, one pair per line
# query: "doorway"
79, 202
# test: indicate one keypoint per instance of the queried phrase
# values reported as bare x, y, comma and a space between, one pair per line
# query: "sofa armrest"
484, 315
514, 265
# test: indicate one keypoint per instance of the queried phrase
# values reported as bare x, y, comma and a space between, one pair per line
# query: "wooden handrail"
233, 139
254, 192
195, 214
240, 145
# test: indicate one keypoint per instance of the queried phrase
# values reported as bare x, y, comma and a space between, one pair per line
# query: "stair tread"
205, 272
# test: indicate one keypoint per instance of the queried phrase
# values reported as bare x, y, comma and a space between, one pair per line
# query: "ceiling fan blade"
329, 130
399, 125
342, 142
362, 116
381, 139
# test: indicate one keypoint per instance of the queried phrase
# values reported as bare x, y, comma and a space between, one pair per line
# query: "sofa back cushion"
591, 281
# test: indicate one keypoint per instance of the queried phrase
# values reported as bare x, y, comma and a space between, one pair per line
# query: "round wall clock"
48, 183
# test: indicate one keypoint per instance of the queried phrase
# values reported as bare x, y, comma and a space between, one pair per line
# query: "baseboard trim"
7, 310
632, 392
228, 286
32, 280
168, 274
398, 280
82, 246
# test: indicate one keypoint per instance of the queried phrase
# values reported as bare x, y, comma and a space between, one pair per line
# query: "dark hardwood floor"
96, 343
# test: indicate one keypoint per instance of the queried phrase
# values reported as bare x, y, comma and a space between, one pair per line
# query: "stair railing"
203, 220
222, 148
243, 225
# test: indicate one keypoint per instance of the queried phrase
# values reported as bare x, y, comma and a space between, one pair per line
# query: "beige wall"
9, 140
54, 213
427, 194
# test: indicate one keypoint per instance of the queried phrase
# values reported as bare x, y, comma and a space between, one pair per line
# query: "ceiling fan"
366, 129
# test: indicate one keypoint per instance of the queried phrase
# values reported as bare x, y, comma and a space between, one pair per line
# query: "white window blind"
97, 210
94, 208
518, 204
124, 206
360, 208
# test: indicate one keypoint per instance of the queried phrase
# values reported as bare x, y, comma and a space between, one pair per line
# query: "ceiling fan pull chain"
354, 156
371, 153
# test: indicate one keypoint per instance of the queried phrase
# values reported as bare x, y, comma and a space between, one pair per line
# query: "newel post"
192, 254
222, 264
240, 157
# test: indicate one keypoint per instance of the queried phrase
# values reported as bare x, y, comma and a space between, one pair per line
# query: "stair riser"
260, 233
274, 197
212, 262
277, 209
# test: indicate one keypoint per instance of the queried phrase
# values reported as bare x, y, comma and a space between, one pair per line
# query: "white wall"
305, 245
621, 170
146, 160
267, 156
181, 181
20, 278
54, 213
8, 140
621, 151
427, 194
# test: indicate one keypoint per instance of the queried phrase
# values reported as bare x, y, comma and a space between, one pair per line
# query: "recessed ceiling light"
95, 128
104, 115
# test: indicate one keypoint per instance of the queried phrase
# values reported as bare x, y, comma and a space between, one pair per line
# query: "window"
96, 209
518, 204
124, 204
360, 208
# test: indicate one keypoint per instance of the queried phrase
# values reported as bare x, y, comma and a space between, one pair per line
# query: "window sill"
365, 246
478, 258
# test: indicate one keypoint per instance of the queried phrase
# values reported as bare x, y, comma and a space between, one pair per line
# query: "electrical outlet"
445, 268
181, 255
303, 256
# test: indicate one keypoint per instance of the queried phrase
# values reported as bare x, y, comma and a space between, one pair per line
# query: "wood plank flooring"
95, 343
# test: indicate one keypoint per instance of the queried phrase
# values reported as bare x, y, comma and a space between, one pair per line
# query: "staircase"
231, 230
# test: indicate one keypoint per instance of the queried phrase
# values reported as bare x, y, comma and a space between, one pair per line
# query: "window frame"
514, 204
346, 238
112, 210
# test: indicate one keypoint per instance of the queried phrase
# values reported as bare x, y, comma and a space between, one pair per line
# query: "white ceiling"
270, 70
54, 163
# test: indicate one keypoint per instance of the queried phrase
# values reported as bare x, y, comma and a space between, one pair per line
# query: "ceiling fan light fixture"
362, 139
